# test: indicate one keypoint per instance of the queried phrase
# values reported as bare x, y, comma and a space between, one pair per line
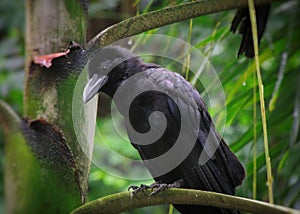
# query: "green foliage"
12, 52
11, 65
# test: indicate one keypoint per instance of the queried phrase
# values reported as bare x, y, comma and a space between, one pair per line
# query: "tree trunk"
47, 159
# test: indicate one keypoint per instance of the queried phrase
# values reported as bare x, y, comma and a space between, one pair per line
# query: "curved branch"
121, 202
163, 17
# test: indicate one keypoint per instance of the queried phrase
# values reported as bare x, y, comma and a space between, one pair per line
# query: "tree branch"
121, 202
9, 120
163, 17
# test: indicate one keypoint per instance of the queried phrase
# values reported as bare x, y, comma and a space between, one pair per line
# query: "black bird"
188, 148
242, 20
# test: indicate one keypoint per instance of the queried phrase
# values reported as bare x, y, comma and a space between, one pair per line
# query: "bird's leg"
162, 186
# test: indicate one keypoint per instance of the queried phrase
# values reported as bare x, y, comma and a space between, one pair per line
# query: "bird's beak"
93, 86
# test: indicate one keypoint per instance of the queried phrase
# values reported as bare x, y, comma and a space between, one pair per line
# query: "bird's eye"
105, 65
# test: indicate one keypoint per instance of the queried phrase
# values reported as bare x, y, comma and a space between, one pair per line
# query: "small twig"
188, 59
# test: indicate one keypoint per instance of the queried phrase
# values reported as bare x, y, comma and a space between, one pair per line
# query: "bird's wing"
222, 167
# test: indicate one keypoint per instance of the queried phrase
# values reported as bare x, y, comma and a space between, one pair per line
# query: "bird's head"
108, 69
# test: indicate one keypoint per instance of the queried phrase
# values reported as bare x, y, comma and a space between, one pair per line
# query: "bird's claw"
137, 189
156, 186
162, 186
133, 187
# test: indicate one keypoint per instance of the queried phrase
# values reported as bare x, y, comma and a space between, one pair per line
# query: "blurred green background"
280, 67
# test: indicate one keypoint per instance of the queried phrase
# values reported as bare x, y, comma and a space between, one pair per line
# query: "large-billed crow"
168, 123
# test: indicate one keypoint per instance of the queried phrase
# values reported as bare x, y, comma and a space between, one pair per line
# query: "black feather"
242, 20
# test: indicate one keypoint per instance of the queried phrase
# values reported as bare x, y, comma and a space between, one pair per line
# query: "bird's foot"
162, 186
156, 187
